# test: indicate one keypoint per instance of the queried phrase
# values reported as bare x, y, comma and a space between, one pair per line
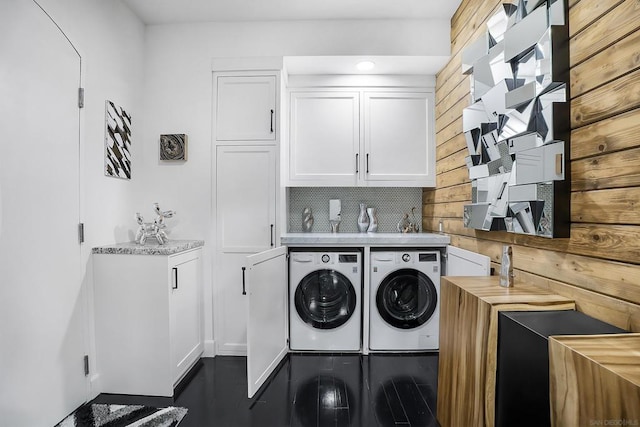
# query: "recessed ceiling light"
365, 65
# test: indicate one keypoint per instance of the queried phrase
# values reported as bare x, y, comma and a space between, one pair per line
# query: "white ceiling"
186, 11
418, 65
180, 11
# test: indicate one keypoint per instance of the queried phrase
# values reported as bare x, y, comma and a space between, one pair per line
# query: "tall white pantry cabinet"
246, 158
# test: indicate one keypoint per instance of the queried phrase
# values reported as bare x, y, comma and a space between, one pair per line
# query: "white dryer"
325, 308
404, 308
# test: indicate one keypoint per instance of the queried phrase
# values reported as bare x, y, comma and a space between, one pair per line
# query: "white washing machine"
404, 310
325, 308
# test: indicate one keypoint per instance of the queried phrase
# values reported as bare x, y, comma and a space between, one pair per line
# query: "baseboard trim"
95, 386
180, 386
232, 350
209, 348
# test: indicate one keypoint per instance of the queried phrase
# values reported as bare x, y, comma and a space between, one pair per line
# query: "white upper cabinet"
397, 146
325, 136
246, 108
361, 138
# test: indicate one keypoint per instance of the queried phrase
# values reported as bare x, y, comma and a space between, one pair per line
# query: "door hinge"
81, 233
86, 365
81, 97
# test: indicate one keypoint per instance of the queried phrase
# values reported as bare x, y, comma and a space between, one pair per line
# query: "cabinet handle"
175, 278
271, 235
367, 162
244, 291
357, 171
271, 121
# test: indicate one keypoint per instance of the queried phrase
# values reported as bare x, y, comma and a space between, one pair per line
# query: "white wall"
162, 75
178, 98
110, 40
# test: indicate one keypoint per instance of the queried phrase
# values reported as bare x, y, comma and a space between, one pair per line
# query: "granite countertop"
149, 248
365, 239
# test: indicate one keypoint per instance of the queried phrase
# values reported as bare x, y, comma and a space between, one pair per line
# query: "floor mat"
101, 415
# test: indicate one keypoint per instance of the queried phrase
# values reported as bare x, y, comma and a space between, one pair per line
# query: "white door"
266, 288
246, 108
324, 138
246, 224
461, 262
42, 303
398, 140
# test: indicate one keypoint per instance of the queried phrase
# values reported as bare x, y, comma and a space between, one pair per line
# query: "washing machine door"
325, 299
406, 298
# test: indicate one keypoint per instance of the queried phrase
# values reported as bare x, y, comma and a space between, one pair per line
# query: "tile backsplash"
390, 203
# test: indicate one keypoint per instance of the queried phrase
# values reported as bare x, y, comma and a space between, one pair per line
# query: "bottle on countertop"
307, 220
363, 219
506, 268
373, 220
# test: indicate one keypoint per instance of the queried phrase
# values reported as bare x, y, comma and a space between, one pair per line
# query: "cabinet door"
266, 285
324, 138
246, 220
398, 138
246, 108
186, 311
461, 262
230, 305
245, 198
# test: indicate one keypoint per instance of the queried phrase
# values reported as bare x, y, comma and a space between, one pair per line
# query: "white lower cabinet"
148, 320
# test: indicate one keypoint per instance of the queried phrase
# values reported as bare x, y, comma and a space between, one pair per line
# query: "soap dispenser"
335, 214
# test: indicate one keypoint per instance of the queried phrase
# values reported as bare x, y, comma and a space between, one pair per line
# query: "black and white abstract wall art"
117, 141
517, 127
173, 147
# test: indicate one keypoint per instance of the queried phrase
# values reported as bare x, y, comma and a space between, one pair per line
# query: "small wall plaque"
173, 147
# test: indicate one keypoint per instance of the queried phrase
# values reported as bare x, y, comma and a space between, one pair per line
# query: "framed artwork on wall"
173, 147
117, 141
517, 127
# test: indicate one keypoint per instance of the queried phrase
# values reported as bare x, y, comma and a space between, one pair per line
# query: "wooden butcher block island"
468, 343
595, 378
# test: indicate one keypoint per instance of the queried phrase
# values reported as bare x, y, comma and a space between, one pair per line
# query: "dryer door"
406, 298
325, 299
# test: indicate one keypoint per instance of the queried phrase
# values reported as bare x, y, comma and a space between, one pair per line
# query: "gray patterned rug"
101, 415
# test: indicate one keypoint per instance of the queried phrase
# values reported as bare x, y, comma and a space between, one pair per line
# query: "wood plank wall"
599, 265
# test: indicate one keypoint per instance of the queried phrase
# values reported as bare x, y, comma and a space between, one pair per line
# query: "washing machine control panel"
325, 258
406, 257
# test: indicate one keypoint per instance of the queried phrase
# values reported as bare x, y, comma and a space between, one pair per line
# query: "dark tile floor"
310, 390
